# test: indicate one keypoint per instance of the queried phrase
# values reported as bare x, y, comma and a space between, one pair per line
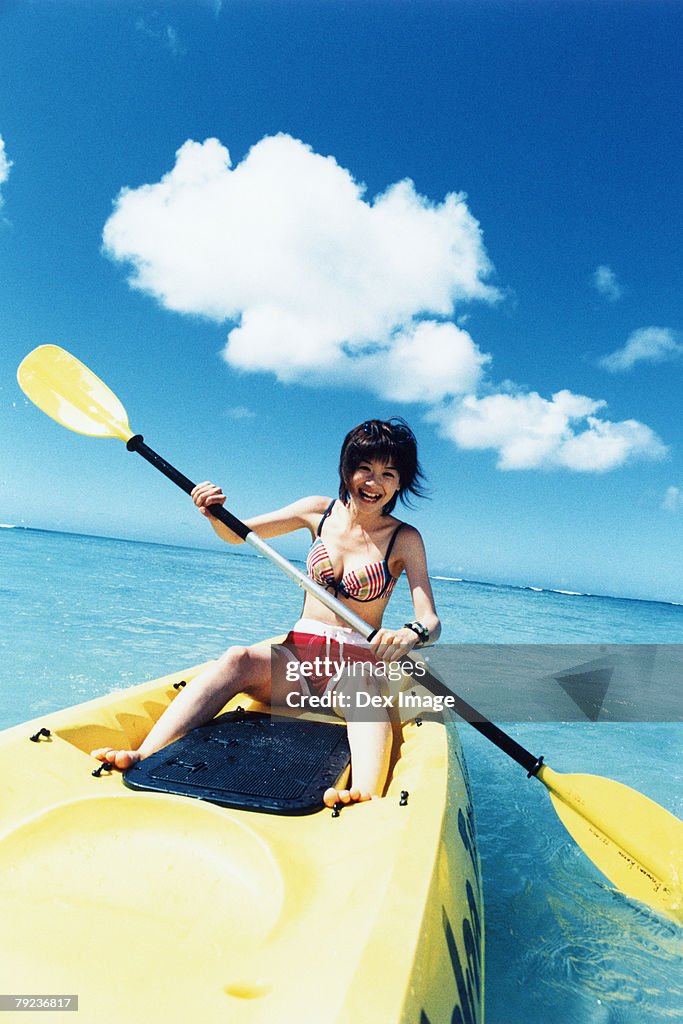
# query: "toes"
101, 753
336, 796
347, 796
360, 795
126, 758
121, 759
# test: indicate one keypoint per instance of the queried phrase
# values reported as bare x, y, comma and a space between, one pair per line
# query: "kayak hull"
164, 908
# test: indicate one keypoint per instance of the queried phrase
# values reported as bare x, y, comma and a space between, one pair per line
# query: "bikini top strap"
391, 542
327, 512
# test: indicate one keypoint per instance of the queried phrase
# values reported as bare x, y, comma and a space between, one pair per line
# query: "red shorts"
324, 656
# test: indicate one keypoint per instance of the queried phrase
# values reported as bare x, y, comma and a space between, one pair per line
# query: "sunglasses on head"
400, 433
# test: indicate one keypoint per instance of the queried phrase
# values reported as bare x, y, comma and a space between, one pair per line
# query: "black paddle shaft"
511, 747
137, 444
523, 757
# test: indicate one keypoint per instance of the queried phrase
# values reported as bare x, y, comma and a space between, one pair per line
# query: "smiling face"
374, 483
385, 451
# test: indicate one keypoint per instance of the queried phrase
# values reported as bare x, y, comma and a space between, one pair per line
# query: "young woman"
359, 550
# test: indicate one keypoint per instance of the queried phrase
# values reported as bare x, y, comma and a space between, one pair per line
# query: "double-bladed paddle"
636, 843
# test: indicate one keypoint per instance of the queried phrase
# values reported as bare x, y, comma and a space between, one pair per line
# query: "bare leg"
370, 744
240, 669
370, 739
248, 670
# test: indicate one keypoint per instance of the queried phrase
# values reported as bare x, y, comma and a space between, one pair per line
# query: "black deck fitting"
41, 732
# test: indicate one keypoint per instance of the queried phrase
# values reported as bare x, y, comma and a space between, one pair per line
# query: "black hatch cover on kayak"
250, 760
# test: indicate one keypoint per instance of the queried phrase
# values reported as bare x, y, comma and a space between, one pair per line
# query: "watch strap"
421, 631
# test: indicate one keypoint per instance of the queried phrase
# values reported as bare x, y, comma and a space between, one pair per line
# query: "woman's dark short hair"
389, 441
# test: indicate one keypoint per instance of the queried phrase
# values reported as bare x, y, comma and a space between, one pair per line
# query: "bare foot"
117, 758
346, 796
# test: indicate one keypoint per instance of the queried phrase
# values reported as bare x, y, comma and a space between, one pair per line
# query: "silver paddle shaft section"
310, 586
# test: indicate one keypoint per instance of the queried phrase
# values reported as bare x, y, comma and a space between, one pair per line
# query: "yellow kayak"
161, 908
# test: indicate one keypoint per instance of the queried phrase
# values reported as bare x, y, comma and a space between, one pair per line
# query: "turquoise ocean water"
84, 615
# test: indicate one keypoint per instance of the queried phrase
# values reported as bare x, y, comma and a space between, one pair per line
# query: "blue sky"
238, 215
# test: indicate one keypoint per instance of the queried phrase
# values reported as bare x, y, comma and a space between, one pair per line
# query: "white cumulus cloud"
646, 345
605, 281
5, 165
531, 432
320, 284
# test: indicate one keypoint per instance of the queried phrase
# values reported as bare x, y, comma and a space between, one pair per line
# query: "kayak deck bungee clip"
42, 733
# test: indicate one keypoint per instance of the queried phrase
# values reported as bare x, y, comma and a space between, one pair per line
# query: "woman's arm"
415, 563
391, 644
302, 513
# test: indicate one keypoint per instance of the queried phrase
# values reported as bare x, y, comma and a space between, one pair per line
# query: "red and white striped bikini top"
365, 584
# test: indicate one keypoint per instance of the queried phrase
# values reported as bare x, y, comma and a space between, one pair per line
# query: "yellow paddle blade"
636, 843
71, 394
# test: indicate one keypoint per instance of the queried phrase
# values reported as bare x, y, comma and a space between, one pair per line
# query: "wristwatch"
422, 632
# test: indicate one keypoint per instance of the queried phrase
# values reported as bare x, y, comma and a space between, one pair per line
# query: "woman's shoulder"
408, 540
312, 508
317, 503
406, 531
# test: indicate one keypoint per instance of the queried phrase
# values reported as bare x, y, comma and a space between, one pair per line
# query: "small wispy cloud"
673, 500
646, 345
5, 165
240, 412
167, 35
605, 281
